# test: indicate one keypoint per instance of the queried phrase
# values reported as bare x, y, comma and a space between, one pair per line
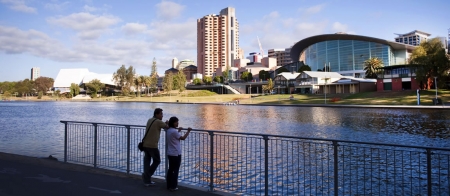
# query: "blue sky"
105, 34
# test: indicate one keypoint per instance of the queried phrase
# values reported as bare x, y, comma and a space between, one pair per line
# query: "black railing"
261, 164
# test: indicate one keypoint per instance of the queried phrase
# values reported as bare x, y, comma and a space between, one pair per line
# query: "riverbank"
408, 97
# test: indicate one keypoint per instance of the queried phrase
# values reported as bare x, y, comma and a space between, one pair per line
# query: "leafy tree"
180, 81
269, 87
40, 95
264, 75
247, 76
7, 86
207, 80
168, 82
154, 77
430, 60
371, 67
197, 81
147, 82
74, 89
24, 87
43, 84
94, 87
217, 79
57, 93
282, 69
226, 74
7, 94
124, 77
139, 81
304, 68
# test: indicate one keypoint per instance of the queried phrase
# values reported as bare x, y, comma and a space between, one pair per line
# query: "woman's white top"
173, 141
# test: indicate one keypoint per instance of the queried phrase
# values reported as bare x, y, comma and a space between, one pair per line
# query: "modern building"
217, 41
413, 38
66, 77
282, 55
35, 73
345, 54
174, 63
184, 63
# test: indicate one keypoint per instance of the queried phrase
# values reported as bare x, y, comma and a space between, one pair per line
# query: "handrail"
283, 136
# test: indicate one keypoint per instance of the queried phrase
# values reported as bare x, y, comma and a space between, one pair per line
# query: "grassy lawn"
370, 98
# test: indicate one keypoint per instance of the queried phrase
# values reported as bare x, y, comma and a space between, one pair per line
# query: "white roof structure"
104, 78
66, 77
321, 74
289, 75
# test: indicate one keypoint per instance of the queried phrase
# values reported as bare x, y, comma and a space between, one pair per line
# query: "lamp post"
435, 86
278, 93
325, 90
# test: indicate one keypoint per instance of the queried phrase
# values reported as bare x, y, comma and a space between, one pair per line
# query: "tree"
94, 86
281, 70
154, 77
40, 95
371, 66
217, 79
264, 75
43, 84
138, 81
7, 94
74, 89
226, 74
247, 76
197, 81
124, 77
269, 87
147, 82
207, 80
24, 87
429, 60
304, 68
168, 82
180, 81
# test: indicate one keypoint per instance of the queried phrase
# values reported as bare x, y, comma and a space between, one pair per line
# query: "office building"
217, 41
412, 38
282, 55
35, 73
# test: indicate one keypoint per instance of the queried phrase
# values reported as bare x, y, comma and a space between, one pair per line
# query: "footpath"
22, 175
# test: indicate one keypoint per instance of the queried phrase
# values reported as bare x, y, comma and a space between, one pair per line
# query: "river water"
33, 128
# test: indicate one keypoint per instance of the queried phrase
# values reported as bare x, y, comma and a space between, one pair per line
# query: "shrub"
40, 95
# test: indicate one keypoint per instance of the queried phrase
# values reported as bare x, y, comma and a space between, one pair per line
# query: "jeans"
149, 170
172, 172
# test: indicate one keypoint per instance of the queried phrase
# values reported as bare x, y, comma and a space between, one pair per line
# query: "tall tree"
94, 86
120, 77
74, 89
138, 81
24, 87
181, 81
147, 83
269, 87
226, 74
304, 68
43, 84
371, 66
168, 82
430, 60
247, 76
264, 75
154, 77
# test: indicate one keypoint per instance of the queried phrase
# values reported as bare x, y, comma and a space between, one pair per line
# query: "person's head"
173, 122
158, 113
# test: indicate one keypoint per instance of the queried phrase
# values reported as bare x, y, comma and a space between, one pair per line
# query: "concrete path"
21, 175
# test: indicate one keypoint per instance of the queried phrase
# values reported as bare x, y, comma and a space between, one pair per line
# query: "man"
150, 143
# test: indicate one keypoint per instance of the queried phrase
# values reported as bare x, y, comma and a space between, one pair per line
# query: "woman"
174, 152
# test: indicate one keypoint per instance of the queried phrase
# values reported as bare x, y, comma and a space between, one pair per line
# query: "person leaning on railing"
150, 144
174, 152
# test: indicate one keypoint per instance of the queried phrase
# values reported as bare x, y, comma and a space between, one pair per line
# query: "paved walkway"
21, 175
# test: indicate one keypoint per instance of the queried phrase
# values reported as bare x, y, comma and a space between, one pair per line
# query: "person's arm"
186, 134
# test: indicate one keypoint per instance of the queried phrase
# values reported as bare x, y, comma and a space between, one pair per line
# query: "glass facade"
346, 55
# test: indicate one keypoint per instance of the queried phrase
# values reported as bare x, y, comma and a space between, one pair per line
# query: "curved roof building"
346, 54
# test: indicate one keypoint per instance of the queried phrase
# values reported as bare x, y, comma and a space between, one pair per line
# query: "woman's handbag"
141, 144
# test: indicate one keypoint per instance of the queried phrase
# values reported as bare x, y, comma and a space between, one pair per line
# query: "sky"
103, 35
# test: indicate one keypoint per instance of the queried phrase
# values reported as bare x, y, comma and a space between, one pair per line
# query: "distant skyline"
103, 35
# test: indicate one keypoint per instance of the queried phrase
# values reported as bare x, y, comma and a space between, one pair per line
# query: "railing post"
65, 142
166, 147
335, 154
266, 165
429, 171
128, 148
211, 161
95, 144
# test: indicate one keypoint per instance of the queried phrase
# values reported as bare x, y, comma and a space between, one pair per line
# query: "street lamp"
325, 89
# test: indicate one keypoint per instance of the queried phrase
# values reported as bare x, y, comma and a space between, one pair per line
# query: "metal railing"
260, 164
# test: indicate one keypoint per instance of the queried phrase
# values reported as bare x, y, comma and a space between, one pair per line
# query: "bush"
40, 95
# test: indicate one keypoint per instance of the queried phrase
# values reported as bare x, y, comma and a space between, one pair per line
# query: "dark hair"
157, 111
172, 121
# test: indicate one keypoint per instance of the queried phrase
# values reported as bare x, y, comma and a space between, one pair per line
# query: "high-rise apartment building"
217, 41
412, 38
35, 73
282, 55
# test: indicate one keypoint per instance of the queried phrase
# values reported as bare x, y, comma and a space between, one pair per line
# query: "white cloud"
56, 6
174, 35
168, 10
88, 26
312, 10
19, 5
89, 8
134, 28
339, 27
